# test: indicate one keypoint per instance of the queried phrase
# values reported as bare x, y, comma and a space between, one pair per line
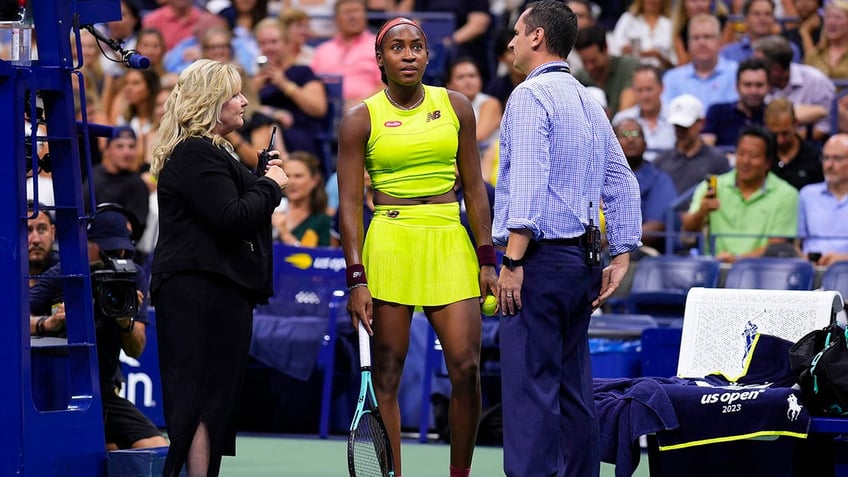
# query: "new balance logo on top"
434, 115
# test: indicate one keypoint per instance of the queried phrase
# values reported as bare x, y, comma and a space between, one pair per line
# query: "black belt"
579, 240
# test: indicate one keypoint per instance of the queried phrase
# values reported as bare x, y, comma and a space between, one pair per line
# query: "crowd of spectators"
677, 77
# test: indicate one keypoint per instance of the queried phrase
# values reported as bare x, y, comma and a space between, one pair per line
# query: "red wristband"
486, 255
355, 275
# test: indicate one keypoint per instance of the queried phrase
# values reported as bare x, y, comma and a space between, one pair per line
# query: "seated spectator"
751, 207
502, 85
139, 101
655, 186
320, 16
350, 53
124, 30
798, 162
830, 55
464, 76
585, 18
683, 10
472, 19
807, 32
177, 20
301, 218
241, 17
691, 161
649, 111
822, 215
151, 44
708, 76
644, 31
40, 236
116, 178
292, 95
808, 88
759, 22
296, 23
243, 52
725, 120
613, 74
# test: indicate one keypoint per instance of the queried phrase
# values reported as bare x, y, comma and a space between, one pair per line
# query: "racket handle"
364, 347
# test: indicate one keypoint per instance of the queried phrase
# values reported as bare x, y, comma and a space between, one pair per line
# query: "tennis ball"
488, 306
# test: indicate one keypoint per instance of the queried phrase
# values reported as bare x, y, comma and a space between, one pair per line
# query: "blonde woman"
831, 53
683, 10
212, 263
644, 31
291, 94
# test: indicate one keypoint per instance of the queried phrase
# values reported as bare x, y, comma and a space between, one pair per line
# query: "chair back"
328, 138
660, 283
835, 278
770, 273
670, 272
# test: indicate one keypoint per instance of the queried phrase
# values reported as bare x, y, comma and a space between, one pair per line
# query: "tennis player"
410, 137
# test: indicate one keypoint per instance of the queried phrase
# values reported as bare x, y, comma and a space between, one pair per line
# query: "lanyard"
554, 69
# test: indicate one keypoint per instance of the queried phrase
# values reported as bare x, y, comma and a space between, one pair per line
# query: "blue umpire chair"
68, 437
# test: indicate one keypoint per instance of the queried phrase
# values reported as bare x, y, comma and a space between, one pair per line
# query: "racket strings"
370, 455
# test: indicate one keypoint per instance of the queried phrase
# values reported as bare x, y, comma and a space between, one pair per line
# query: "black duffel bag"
819, 361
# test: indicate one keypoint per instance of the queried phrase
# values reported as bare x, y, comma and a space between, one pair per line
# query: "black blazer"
215, 217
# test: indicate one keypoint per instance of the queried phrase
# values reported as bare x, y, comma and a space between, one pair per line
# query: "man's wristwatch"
511, 263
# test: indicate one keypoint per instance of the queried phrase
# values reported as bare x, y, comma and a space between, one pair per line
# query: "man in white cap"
691, 161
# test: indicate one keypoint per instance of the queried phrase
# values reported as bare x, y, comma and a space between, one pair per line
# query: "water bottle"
21, 53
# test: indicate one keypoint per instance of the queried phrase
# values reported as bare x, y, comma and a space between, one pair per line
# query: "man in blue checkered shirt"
559, 160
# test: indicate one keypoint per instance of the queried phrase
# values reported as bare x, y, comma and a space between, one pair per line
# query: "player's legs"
390, 344
458, 327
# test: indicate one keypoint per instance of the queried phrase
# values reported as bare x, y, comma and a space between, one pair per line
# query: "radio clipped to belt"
593, 242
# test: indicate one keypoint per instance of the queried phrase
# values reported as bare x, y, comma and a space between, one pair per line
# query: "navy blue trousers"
549, 421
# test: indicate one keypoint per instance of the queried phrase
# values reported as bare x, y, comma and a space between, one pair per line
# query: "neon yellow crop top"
412, 153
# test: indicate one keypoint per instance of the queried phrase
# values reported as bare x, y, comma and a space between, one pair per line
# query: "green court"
308, 456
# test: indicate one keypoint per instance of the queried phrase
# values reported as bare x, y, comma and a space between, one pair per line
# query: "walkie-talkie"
593, 242
265, 154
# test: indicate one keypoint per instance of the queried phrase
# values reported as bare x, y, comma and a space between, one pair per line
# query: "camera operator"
110, 249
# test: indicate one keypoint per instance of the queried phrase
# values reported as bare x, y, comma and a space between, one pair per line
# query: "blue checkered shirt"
558, 155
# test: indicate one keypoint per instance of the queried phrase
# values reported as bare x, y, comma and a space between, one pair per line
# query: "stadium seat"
297, 331
660, 284
769, 273
328, 138
835, 278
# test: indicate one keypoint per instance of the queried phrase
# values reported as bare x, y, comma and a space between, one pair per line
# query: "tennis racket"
369, 451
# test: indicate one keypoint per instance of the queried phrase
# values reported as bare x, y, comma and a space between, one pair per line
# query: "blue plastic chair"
297, 331
835, 277
660, 284
328, 137
769, 273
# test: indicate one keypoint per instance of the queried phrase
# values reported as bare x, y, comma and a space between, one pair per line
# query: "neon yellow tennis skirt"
420, 255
